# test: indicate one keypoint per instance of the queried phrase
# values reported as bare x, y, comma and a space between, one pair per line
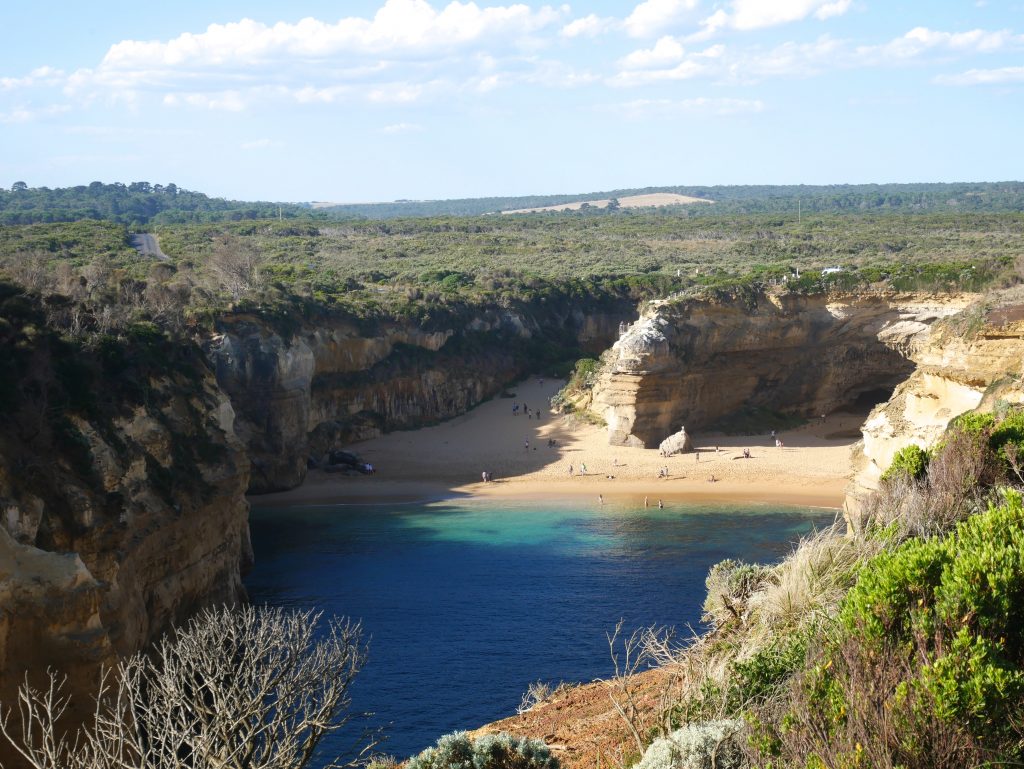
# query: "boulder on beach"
678, 443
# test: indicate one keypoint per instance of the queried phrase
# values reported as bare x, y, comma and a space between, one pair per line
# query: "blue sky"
384, 99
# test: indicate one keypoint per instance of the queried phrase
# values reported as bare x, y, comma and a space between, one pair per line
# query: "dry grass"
653, 200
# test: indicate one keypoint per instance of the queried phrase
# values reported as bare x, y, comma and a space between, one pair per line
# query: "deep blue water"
466, 603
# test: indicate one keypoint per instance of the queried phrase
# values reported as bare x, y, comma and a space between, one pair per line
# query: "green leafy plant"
910, 462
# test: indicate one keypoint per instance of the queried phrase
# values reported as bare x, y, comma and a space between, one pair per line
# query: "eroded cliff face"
691, 362
120, 518
335, 381
957, 370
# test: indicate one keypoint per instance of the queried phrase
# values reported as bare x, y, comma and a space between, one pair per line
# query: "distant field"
653, 200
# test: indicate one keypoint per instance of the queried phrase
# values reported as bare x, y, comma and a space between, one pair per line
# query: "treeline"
834, 198
142, 203
135, 205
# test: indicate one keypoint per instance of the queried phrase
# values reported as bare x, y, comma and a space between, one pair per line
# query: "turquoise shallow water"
468, 602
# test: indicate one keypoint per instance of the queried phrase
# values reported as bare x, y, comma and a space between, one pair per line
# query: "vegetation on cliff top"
440, 271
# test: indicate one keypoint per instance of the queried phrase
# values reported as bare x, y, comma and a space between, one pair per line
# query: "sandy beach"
812, 468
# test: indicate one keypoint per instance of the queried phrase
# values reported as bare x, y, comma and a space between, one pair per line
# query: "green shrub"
492, 751
947, 614
910, 461
973, 422
760, 676
1007, 437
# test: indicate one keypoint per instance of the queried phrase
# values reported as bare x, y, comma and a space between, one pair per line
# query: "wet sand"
812, 468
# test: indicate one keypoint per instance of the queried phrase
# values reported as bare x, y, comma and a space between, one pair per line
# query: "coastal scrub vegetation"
448, 272
236, 688
491, 751
141, 203
896, 644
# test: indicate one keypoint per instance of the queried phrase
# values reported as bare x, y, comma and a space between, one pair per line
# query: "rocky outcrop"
677, 443
339, 379
969, 363
694, 361
122, 514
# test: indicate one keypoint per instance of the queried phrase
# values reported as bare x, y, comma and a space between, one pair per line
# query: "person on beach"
746, 453
661, 505
666, 470
645, 501
696, 456
583, 468
600, 498
483, 476
712, 479
570, 470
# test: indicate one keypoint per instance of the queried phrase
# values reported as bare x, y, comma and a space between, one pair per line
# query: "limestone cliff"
971, 362
689, 362
122, 497
337, 379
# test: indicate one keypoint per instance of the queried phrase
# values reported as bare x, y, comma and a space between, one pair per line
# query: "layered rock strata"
691, 362
115, 529
335, 381
970, 363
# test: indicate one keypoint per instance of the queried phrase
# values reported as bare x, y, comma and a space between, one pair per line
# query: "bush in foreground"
492, 751
927, 664
236, 689
711, 745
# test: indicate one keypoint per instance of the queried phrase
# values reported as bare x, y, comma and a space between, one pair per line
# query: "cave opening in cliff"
868, 399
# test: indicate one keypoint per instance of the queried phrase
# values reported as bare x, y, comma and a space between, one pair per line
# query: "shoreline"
319, 493
531, 459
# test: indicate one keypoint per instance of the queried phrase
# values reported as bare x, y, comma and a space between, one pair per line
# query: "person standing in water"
661, 505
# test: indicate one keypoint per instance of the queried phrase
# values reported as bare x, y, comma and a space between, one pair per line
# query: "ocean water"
466, 603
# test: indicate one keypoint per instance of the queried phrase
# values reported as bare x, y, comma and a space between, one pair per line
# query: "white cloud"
922, 39
666, 51
587, 26
640, 109
225, 101
40, 76
23, 114
789, 59
401, 128
682, 71
666, 61
399, 27
1000, 76
652, 16
710, 26
755, 14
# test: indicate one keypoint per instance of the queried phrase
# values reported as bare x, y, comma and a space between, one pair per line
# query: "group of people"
530, 414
